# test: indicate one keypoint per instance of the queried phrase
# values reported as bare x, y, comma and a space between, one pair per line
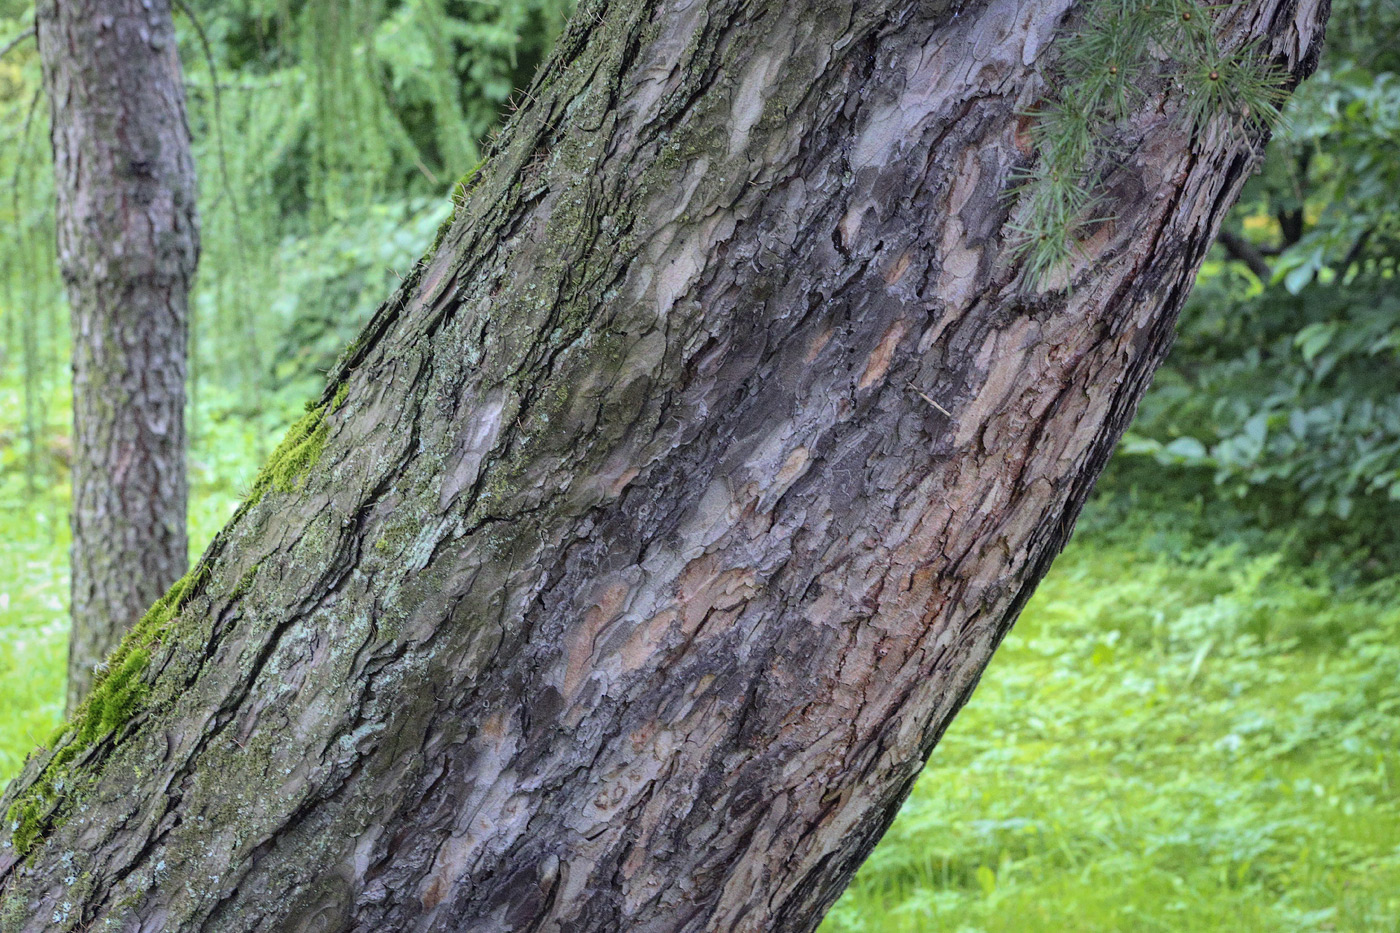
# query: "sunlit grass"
33, 627
1189, 741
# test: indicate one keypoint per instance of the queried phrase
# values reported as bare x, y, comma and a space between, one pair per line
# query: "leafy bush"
1292, 394
1283, 385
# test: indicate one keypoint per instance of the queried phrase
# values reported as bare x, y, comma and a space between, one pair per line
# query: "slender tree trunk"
128, 242
631, 566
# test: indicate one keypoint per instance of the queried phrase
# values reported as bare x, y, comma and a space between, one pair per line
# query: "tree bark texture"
637, 568
128, 242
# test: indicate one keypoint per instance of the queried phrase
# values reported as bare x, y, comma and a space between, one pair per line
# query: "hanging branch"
10, 46
227, 189
1246, 252
217, 101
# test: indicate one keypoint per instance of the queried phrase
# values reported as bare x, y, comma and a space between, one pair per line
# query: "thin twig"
218, 107
923, 395
427, 172
9, 47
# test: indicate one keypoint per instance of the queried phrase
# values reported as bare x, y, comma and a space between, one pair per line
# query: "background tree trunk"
630, 568
128, 242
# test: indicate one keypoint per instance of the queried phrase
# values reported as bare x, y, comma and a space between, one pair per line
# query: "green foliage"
1294, 401
1096, 80
32, 322
331, 282
1284, 391
343, 123
1181, 733
372, 97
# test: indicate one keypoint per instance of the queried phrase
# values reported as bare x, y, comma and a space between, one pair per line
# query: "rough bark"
128, 242
627, 574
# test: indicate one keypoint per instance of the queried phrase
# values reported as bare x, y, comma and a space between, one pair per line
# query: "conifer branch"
1098, 78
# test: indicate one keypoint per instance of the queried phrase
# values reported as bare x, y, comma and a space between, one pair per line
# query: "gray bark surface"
630, 575
128, 242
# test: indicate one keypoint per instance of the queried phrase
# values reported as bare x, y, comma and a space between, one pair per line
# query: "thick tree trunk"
128, 241
631, 567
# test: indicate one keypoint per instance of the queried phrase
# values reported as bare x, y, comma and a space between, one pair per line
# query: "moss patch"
117, 693
120, 688
245, 583
299, 451
460, 192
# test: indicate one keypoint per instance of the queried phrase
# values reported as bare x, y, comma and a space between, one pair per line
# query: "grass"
1175, 737
33, 627
1180, 734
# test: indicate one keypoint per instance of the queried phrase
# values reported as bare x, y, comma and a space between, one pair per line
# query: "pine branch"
1097, 80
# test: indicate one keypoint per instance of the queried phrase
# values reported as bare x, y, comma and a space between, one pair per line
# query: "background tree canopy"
1214, 666
1282, 388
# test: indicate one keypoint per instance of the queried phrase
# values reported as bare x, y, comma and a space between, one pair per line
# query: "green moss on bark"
460, 192
118, 692
245, 583
299, 451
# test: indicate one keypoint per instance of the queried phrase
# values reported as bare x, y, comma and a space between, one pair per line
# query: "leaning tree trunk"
128, 241
630, 567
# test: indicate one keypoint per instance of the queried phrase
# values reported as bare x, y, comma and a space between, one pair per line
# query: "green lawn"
33, 629
1175, 737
